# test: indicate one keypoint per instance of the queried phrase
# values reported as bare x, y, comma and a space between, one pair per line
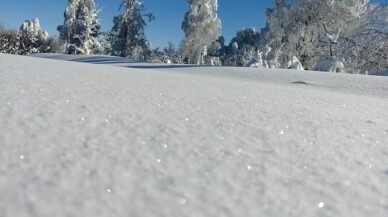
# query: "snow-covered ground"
152, 140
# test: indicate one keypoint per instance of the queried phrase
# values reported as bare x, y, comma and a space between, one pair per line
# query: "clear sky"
234, 15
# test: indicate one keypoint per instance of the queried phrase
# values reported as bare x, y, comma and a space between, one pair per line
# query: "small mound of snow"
255, 63
330, 64
294, 63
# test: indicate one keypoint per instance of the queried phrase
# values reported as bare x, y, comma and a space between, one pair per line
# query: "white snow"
152, 140
294, 63
330, 64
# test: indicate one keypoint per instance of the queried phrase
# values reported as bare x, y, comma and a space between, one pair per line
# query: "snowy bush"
9, 41
29, 39
330, 64
73, 49
294, 63
32, 38
56, 45
103, 44
168, 55
172, 53
212, 61
256, 63
157, 56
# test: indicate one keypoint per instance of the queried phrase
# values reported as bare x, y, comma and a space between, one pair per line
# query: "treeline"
338, 36
29, 39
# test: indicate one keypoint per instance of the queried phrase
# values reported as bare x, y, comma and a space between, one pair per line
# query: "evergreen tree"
129, 38
81, 25
202, 27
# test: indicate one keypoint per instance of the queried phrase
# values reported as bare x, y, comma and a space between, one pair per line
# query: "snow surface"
169, 140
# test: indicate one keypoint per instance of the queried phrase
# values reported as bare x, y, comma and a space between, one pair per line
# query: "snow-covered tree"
342, 20
201, 26
103, 45
301, 28
172, 53
56, 45
330, 64
81, 25
32, 27
129, 38
276, 33
88, 35
29, 39
365, 49
32, 39
169, 54
215, 52
217, 48
9, 41
243, 48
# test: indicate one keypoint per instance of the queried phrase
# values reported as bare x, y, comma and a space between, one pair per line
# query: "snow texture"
172, 140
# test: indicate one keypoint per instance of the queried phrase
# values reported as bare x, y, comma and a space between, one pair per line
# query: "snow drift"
169, 140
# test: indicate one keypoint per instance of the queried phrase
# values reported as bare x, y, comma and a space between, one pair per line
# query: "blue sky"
169, 15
